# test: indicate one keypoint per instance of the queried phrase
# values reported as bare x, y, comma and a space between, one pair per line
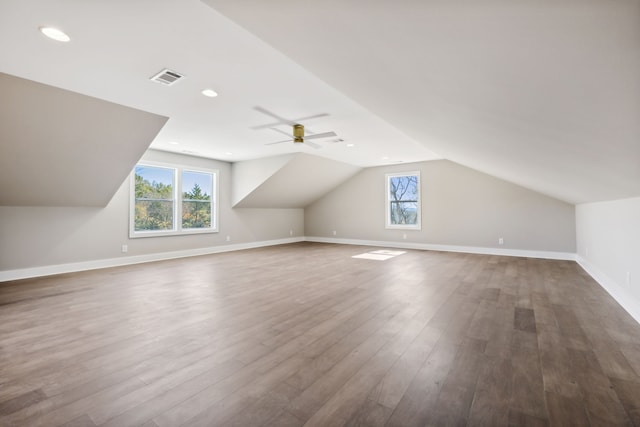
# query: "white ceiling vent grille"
167, 77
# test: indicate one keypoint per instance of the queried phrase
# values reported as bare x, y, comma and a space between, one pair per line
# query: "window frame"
388, 201
177, 229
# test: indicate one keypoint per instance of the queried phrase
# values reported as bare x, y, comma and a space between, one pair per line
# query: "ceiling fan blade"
312, 145
279, 142
320, 135
315, 116
282, 132
269, 113
280, 120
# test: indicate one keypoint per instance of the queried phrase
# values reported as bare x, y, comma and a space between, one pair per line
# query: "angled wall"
32, 238
291, 181
461, 207
248, 175
61, 148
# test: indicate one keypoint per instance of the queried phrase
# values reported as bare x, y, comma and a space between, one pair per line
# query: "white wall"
246, 176
33, 237
460, 207
608, 241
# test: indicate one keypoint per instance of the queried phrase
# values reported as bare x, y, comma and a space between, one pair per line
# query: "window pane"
404, 213
154, 183
403, 201
403, 188
154, 215
154, 198
196, 199
197, 185
196, 214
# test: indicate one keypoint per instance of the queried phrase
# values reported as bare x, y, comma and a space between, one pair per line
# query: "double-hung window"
403, 200
170, 200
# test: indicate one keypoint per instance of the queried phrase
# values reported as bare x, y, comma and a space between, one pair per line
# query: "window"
197, 188
403, 200
157, 204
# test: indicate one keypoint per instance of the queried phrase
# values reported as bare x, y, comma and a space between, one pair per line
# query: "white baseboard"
616, 290
567, 256
47, 270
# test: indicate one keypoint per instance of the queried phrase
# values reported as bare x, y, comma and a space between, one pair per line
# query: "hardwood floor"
303, 334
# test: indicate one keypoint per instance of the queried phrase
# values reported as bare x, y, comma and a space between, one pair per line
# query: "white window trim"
177, 207
418, 224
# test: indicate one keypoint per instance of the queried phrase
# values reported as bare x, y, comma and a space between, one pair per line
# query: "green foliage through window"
157, 204
196, 201
154, 198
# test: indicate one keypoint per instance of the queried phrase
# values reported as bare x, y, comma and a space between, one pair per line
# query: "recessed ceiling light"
350, 145
174, 143
210, 93
55, 34
385, 158
228, 153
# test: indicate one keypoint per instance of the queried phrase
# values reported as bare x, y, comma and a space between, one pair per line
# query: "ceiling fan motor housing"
298, 133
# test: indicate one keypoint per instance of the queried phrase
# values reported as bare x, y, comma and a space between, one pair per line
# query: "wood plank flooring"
303, 334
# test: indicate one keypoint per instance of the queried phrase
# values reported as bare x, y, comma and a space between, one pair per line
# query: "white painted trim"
616, 290
418, 224
47, 270
178, 171
567, 256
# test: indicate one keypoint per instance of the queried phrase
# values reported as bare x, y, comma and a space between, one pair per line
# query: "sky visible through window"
165, 176
190, 178
154, 173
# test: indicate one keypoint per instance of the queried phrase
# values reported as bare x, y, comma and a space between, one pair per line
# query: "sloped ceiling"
545, 94
291, 181
60, 148
116, 47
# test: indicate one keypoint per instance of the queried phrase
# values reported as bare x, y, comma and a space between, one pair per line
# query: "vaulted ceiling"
542, 93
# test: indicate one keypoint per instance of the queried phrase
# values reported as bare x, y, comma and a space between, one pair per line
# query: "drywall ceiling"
542, 93
60, 148
545, 94
116, 47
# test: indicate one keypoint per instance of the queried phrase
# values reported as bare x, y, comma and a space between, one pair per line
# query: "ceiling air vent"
167, 77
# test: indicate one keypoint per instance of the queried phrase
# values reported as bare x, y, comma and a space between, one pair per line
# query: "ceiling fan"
282, 120
299, 136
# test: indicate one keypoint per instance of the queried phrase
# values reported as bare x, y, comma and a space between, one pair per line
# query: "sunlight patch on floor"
380, 255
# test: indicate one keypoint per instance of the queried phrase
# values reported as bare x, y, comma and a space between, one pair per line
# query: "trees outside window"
403, 200
196, 199
154, 199
157, 204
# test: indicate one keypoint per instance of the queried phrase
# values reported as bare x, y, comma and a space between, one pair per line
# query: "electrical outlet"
228, 238
334, 232
125, 248
501, 241
404, 236
290, 232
